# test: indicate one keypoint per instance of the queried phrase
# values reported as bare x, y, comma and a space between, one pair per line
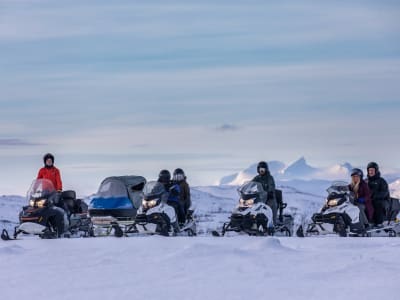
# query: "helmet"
164, 176
373, 165
357, 172
47, 156
178, 175
262, 165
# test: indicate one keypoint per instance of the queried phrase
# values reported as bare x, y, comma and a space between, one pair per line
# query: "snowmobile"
155, 216
254, 217
51, 214
114, 207
341, 216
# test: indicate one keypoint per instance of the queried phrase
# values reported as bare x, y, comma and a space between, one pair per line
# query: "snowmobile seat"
66, 195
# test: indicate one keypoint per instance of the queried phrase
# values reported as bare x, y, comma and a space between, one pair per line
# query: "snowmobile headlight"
152, 203
41, 203
149, 203
333, 202
246, 203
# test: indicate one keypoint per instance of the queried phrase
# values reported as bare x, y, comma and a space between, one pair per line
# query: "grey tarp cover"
134, 185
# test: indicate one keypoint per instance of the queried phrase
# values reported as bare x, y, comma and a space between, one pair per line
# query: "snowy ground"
202, 267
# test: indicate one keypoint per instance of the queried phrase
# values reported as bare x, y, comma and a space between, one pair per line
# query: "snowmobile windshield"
41, 189
250, 190
112, 194
153, 189
338, 187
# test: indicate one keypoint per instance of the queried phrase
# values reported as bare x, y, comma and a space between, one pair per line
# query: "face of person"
49, 162
371, 172
262, 171
355, 178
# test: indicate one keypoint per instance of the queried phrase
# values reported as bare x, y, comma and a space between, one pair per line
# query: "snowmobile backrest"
66, 195
394, 208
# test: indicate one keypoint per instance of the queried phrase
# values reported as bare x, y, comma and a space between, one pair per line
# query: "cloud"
227, 127
17, 142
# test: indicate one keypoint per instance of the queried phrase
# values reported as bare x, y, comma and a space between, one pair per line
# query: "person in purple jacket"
362, 196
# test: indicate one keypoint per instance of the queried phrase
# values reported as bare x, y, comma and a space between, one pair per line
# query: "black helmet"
178, 175
47, 156
358, 172
164, 176
262, 165
373, 165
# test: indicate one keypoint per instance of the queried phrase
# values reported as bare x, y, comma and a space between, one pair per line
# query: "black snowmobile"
155, 216
51, 214
114, 207
253, 216
339, 215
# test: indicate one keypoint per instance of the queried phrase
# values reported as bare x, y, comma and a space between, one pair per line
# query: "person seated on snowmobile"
179, 178
362, 195
379, 193
173, 191
50, 172
265, 178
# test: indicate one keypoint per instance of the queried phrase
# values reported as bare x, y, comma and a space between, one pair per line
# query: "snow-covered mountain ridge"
300, 170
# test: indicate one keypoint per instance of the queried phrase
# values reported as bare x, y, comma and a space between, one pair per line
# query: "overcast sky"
131, 87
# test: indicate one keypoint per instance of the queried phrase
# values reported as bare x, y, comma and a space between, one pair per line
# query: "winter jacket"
173, 191
267, 182
363, 196
184, 196
378, 187
52, 174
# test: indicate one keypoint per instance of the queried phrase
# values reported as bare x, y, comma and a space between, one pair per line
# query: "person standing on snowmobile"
362, 195
50, 172
173, 192
184, 195
265, 178
379, 192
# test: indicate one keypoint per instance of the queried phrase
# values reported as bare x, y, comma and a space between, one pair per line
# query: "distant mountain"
299, 169
275, 167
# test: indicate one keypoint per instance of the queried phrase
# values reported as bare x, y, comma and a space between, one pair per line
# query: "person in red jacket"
50, 172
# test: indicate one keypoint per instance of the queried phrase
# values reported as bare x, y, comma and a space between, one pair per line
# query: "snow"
200, 268
395, 189
203, 267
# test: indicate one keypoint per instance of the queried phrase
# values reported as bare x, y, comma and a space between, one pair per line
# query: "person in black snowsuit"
173, 191
379, 193
184, 195
265, 178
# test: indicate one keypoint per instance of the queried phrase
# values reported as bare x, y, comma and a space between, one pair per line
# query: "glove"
361, 200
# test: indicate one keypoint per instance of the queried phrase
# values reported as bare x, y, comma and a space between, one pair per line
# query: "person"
184, 195
268, 183
50, 172
362, 195
379, 193
173, 191
54, 213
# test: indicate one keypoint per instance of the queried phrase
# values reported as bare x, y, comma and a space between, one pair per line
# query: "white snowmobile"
341, 216
51, 214
253, 216
155, 216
